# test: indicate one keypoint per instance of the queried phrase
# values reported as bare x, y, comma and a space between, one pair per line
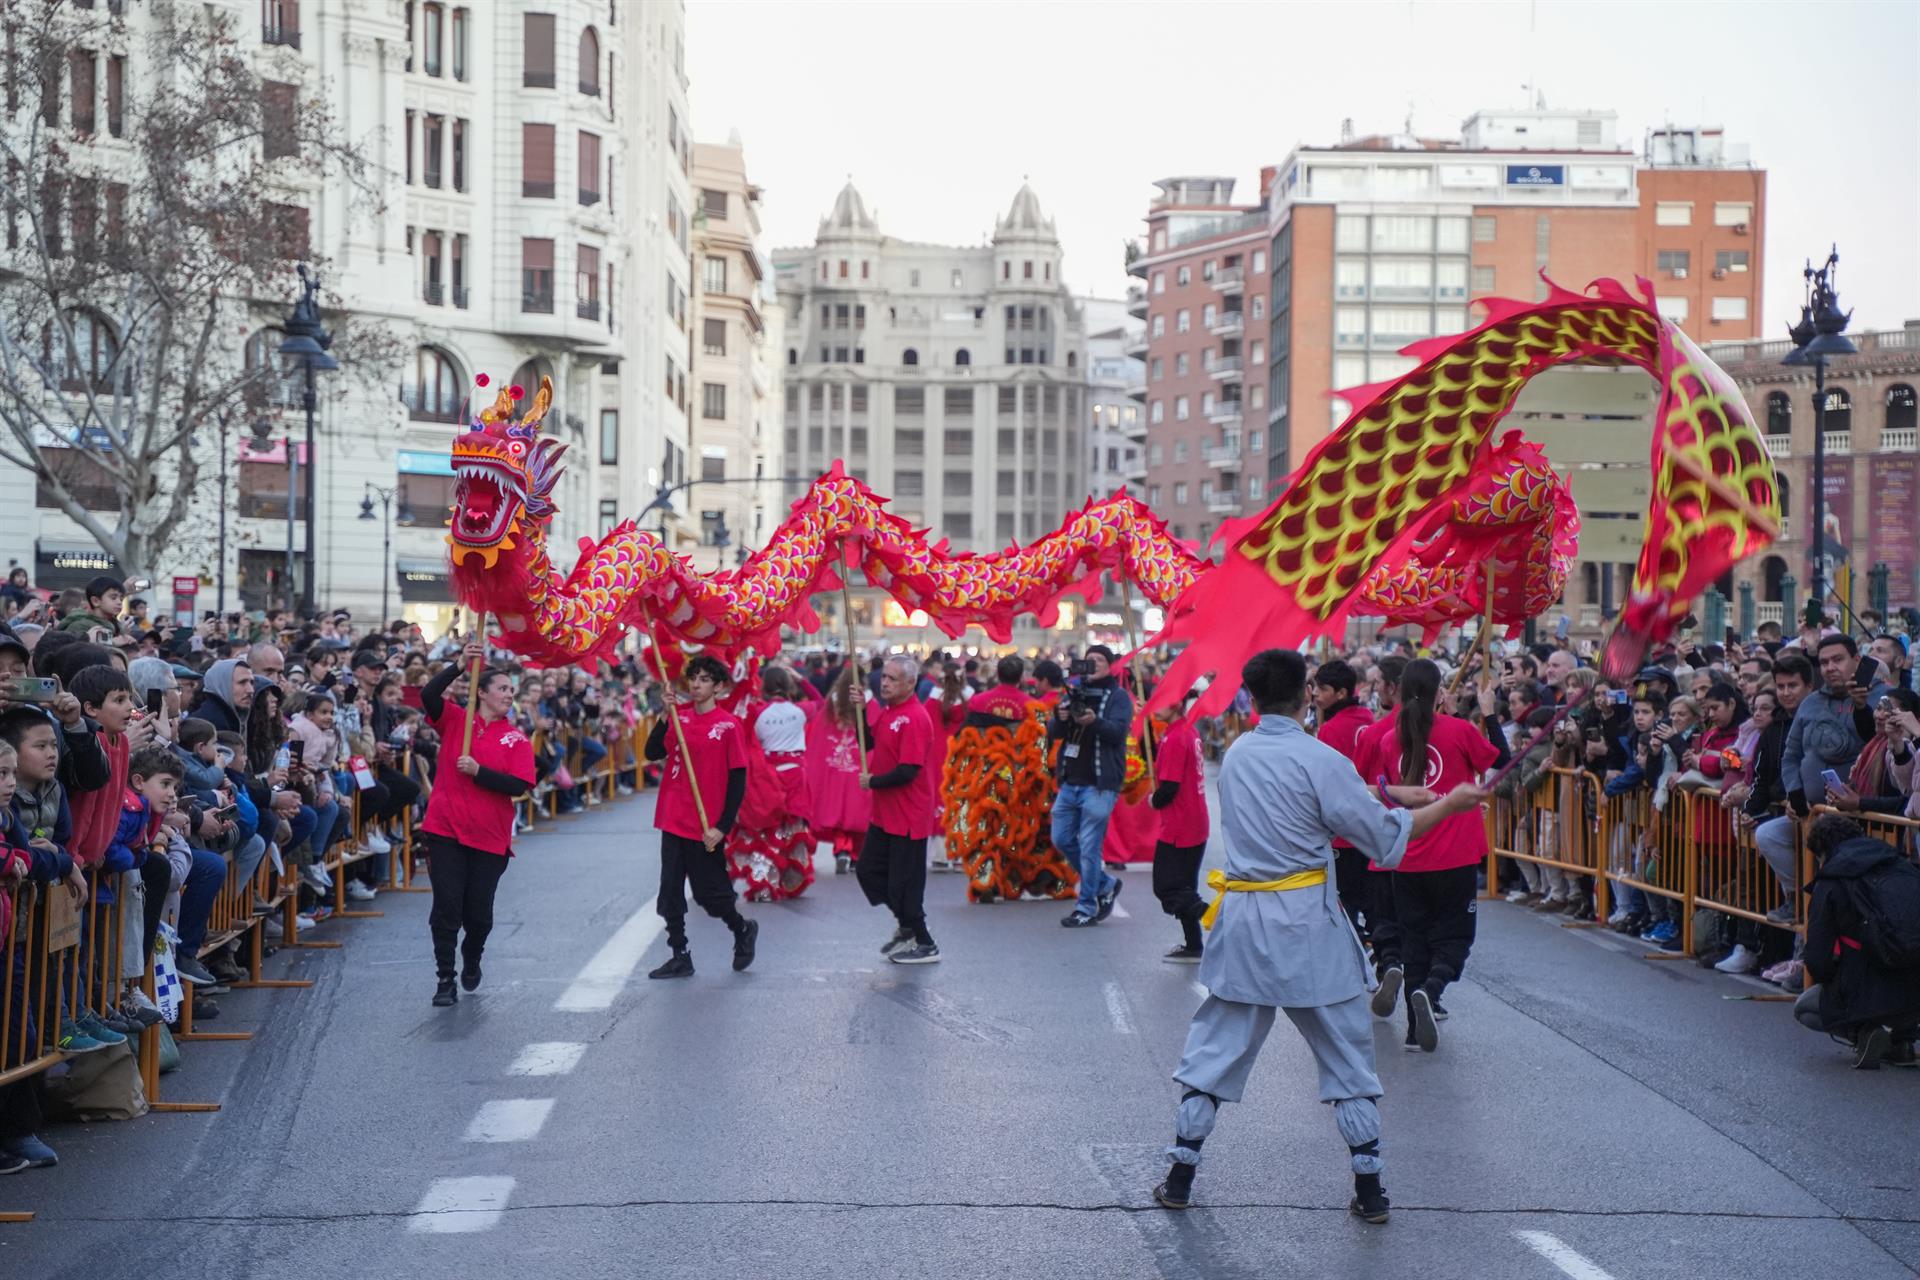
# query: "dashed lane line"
456, 1206
1562, 1255
606, 975
1117, 1009
510, 1120
549, 1058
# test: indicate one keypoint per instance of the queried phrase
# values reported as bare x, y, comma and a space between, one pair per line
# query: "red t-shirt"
1005, 701
1343, 733
1183, 823
461, 809
1457, 754
717, 741
902, 734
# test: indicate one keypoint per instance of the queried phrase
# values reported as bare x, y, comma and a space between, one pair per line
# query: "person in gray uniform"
1280, 939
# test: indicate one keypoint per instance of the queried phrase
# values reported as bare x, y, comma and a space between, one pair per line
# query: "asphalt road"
1002, 1114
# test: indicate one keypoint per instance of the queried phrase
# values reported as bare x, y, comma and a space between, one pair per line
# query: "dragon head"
506, 473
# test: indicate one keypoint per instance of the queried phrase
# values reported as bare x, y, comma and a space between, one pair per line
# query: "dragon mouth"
485, 502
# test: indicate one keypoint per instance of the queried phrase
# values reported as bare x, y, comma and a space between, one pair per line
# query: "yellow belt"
1217, 881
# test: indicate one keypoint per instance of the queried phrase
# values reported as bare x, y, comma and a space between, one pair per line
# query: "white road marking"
453, 1206
1121, 912
510, 1120
1117, 1010
1200, 990
606, 974
1562, 1255
552, 1058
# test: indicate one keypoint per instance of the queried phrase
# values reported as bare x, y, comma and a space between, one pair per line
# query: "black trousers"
686, 861
1356, 893
1383, 923
464, 882
1176, 883
156, 875
893, 873
1436, 915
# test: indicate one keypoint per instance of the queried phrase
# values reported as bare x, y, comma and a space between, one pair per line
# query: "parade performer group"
1411, 511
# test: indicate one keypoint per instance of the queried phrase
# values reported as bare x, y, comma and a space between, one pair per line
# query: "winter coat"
43, 812
96, 812
1853, 987
215, 703
1827, 733
1106, 737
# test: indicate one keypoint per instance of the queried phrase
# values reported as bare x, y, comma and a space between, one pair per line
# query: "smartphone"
296, 751
156, 701
1831, 778
1560, 628
35, 689
1620, 697
1733, 635
226, 812
1865, 674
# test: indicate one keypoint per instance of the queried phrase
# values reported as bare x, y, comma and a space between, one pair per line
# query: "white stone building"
1116, 423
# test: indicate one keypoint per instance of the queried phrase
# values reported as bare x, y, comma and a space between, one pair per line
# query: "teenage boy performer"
693, 837
1181, 798
893, 861
1282, 941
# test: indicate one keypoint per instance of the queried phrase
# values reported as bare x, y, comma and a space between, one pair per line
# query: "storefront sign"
1892, 519
1536, 175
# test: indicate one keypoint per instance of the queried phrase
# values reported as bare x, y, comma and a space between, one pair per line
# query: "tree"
152, 214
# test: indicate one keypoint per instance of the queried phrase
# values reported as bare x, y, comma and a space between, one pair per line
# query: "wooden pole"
853, 667
673, 718
473, 686
1486, 623
1133, 677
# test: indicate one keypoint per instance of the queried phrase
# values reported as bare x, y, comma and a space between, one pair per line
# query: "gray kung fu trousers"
1224, 1041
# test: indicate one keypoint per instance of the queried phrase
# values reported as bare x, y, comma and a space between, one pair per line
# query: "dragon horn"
542, 401
502, 410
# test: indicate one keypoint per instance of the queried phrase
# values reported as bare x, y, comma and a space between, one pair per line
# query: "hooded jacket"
1827, 733
215, 703
1853, 987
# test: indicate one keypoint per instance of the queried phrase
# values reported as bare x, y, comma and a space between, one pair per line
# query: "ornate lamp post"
307, 342
1820, 335
386, 538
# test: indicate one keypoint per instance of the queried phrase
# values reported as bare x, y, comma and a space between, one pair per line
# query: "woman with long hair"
1434, 885
770, 849
842, 808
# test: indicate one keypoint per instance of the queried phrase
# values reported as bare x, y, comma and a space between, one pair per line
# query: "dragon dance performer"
893, 862
1180, 798
999, 792
770, 849
716, 743
1342, 720
842, 809
1281, 940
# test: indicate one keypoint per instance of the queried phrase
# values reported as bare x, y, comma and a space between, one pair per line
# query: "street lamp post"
307, 342
1819, 336
386, 538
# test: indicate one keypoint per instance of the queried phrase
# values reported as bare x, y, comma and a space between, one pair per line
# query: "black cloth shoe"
919, 953
1177, 1191
470, 974
204, 1010
902, 937
1420, 1018
445, 996
1078, 921
1184, 954
1870, 1047
1387, 997
1369, 1203
678, 965
743, 944
1107, 899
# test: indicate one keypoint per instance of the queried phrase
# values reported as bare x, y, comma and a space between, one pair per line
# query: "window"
1180, 365
277, 136
1779, 414
962, 358
460, 25
1729, 308
1450, 277
1159, 282
1673, 213
1674, 262
586, 289
117, 95
609, 435
1730, 260
432, 29
1259, 307
1179, 415
459, 155
536, 276
432, 138
1180, 494
1159, 326
958, 401
713, 337
713, 400
1350, 277
957, 484
1674, 309
437, 385
589, 167
1182, 321
1257, 353
1259, 262
1156, 369
713, 203
1731, 214
82, 66
1483, 279
536, 160
1185, 277
1027, 270
955, 280
1453, 235
713, 275
1402, 231
1157, 412
1483, 228
290, 222
536, 51
609, 514
434, 293
589, 62
908, 357
1206, 316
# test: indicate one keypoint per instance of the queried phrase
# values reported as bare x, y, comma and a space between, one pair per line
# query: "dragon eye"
516, 448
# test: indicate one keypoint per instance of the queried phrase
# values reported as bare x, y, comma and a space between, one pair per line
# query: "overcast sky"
938, 110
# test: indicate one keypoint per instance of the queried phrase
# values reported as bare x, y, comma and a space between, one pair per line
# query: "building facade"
1203, 300
891, 368
1116, 422
736, 428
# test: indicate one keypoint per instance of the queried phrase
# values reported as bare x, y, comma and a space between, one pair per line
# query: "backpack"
1887, 902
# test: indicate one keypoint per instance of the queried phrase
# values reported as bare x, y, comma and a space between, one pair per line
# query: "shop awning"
423, 581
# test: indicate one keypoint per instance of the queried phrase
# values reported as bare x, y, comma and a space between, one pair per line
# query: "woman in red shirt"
1434, 885
468, 829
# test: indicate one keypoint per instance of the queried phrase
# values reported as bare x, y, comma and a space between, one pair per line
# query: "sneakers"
1739, 960
445, 995
28, 1147
841, 864
1618, 917
1517, 895
320, 912
1108, 898
372, 842
624, 789
1663, 932
1388, 996
1439, 1011
470, 974
593, 797
901, 938
360, 891
918, 953
205, 1010
678, 965
137, 1007
1424, 1031
193, 971
90, 1023
272, 928
222, 965
1870, 1047
318, 876
1782, 914
1369, 1203
1078, 921
1552, 902
1177, 1191
11, 1163
1184, 954
743, 943
74, 1039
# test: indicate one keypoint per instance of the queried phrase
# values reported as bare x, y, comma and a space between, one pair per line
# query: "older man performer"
1282, 940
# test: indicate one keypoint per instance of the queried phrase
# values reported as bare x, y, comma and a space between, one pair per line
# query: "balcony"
589, 197
433, 293
1768, 611
1226, 413
1136, 345
1226, 369
1224, 456
279, 33
461, 296
587, 308
1224, 502
590, 87
537, 190
1136, 259
1135, 430
1839, 443
533, 79
1227, 323
1900, 440
1780, 446
1137, 302
1230, 280
1135, 472
1589, 616
424, 406
537, 303
1137, 390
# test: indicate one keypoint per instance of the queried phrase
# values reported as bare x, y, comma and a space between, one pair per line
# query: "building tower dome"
1024, 217
849, 216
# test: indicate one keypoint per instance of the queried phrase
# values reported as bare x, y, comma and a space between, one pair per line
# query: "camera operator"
1091, 724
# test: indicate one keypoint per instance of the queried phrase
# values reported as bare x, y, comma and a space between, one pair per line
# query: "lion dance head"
506, 471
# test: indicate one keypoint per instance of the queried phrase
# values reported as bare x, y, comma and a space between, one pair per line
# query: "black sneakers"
1388, 996
1108, 898
678, 965
1077, 921
1177, 1191
1369, 1203
1870, 1048
470, 975
743, 942
902, 937
1184, 954
1425, 1032
919, 953
445, 996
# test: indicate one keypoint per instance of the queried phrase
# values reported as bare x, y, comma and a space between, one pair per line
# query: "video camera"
1080, 698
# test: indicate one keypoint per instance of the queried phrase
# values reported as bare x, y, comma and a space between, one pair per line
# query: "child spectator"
106, 699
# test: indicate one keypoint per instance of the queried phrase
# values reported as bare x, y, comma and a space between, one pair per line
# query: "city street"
1001, 1114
